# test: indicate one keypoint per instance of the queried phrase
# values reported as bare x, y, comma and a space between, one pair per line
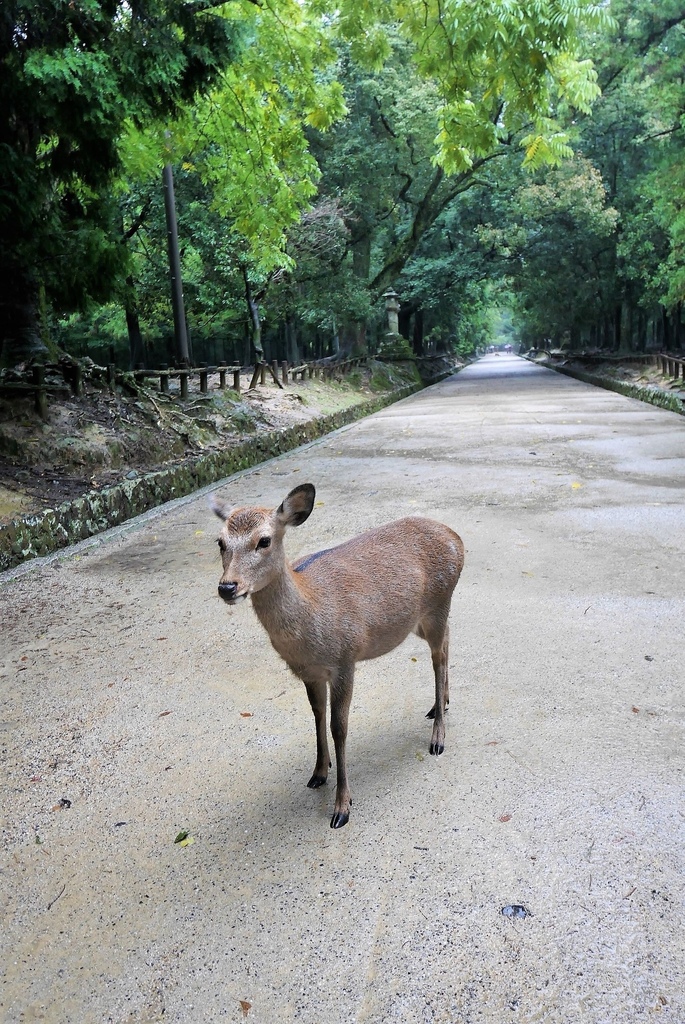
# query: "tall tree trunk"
630, 327
255, 320
666, 329
20, 336
291, 348
618, 320
404, 319
417, 334
180, 328
354, 337
135, 337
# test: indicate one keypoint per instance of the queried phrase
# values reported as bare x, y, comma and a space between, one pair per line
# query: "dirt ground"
102, 437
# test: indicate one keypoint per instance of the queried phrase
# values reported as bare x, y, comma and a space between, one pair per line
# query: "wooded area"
513, 170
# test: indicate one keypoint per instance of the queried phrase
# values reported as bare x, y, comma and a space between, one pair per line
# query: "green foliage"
71, 76
498, 66
323, 152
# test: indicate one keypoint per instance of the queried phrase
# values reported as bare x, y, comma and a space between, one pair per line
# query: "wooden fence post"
76, 379
284, 371
40, 395
183, 377
236, 381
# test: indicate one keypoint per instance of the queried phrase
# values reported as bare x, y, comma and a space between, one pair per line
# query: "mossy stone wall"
653, 396
40, 534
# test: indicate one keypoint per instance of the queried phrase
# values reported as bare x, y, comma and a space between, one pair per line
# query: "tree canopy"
323, 152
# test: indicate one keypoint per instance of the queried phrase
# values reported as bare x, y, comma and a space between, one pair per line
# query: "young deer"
346, 604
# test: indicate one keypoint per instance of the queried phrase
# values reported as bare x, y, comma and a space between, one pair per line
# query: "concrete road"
131, 692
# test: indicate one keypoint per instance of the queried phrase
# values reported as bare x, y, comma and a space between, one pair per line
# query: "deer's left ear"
220, 508
297, 507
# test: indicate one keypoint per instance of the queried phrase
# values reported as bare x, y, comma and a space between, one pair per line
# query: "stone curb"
42, 533
651, 395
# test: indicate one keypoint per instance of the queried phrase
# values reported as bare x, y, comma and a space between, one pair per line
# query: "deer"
345, 604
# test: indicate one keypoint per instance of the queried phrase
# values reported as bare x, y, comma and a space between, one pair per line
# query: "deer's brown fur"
349, 603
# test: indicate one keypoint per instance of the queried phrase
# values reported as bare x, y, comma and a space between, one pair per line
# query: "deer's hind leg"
437, 635
342, 683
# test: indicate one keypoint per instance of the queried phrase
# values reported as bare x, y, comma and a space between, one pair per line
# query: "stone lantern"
392, 307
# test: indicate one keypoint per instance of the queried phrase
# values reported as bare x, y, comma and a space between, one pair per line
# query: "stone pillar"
392, 307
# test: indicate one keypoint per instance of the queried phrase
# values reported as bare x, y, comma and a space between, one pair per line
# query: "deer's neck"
282, 607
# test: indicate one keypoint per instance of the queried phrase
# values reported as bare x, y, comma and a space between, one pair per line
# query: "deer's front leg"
317, 698
342, 683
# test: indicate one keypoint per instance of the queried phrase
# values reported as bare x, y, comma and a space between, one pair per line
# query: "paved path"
126, 689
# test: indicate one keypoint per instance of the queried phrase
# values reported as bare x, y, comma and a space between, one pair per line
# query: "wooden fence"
73, 376
262, 372
671, 366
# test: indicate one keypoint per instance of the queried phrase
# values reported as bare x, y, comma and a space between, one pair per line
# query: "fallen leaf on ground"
183, 834
504, 817
162, 637
246, 714
525, 572
492, 743
163, 713
635, 710
576, 486
188, 841
414, 659
245, 1007
199, 533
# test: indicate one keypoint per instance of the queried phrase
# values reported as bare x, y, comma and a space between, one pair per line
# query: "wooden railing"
325, 369
671, 366
33, 381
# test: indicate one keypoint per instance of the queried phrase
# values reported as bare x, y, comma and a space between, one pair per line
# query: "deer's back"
371, 592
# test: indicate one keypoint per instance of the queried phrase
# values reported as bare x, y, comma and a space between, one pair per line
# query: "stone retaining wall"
654, 396
47, 531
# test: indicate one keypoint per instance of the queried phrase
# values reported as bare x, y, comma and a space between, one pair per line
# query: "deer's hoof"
316, 781
437, 748
339, 819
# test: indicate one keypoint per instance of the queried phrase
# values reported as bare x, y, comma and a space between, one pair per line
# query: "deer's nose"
228, 591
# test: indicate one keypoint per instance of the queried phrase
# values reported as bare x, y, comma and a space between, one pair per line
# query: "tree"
446, 88
71, 77
499, 72
636, 140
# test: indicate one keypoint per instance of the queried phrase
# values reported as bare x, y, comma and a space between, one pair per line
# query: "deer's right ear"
297, 507
219, 508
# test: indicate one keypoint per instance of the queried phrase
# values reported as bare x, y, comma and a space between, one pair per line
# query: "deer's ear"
296, 508
220, 508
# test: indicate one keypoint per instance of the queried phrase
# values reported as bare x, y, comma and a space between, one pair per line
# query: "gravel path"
136, 706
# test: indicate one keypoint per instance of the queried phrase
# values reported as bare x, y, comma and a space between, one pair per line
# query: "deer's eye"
222, 546
264, 542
